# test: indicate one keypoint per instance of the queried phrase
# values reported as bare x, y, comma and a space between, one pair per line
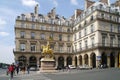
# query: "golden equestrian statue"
47, 52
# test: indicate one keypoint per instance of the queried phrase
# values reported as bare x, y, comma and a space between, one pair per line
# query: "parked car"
71, 66
58, 68
102, 66
32, 68
84, 67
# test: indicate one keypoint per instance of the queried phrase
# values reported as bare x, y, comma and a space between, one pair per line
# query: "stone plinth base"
47, 65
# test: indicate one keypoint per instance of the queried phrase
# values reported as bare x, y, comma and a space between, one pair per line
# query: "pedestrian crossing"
34, 76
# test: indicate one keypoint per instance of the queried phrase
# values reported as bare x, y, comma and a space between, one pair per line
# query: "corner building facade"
90, 37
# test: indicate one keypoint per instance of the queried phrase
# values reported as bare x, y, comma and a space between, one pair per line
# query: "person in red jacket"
11, 70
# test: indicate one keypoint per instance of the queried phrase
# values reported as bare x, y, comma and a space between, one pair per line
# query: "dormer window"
33, 18
23, 17
101, 6
68, 30
85, 22
102, 15
79, 26
91, 18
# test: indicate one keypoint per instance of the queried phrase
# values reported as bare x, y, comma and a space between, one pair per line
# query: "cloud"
29, 3
2, 22
6, 54
55, 3
74, 2
4, 34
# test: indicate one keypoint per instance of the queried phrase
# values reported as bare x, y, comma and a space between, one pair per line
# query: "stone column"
98, 58
65, 61
28, 46
89, 60
108, 60
38, 46
83, 60
38, 62
116, 60
56, 61
119, 59
78, 61
27, 60
73, 61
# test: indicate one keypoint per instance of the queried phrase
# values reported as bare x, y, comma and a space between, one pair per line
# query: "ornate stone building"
90, 36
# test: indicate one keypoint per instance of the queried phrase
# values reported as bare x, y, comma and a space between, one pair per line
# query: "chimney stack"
105, 1
78, 12
36, 9
88, 3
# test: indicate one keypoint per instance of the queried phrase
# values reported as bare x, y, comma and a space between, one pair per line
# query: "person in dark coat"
17, 69
28, 68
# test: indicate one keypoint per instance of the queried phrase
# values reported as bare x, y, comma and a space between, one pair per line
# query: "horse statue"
47, 52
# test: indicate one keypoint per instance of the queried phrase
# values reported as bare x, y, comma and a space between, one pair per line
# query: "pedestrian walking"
23, 69
28, 68
11, 70
17, 69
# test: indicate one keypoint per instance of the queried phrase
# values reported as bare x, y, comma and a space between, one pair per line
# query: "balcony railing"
55, 51
99, 45
88, 12
56, 22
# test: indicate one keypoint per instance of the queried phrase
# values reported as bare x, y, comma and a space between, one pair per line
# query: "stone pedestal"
47, 65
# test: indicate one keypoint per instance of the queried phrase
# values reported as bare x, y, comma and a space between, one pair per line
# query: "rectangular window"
60, 29
92, 28
118, 41
68, 39
118, 28
22, 47
79, 35
111, 28
92, 40
22, 34
103, 40
33, 26
75, 37
61, 49
22, 25
75, 48
86, 45
32, 47
42, 36
51, 36
85, 31
60, 37
32, 35
111, 41
68, 49
80, 46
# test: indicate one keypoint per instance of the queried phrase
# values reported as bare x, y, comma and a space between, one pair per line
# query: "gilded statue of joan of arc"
47, 51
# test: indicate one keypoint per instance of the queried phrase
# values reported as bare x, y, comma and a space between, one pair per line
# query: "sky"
10, 9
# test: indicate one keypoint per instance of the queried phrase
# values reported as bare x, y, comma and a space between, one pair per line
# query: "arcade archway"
93, 60
104, 59
80, 60
76, 61
69, 60
33, 61
112, 60
61, 61
22, 61
86, 59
